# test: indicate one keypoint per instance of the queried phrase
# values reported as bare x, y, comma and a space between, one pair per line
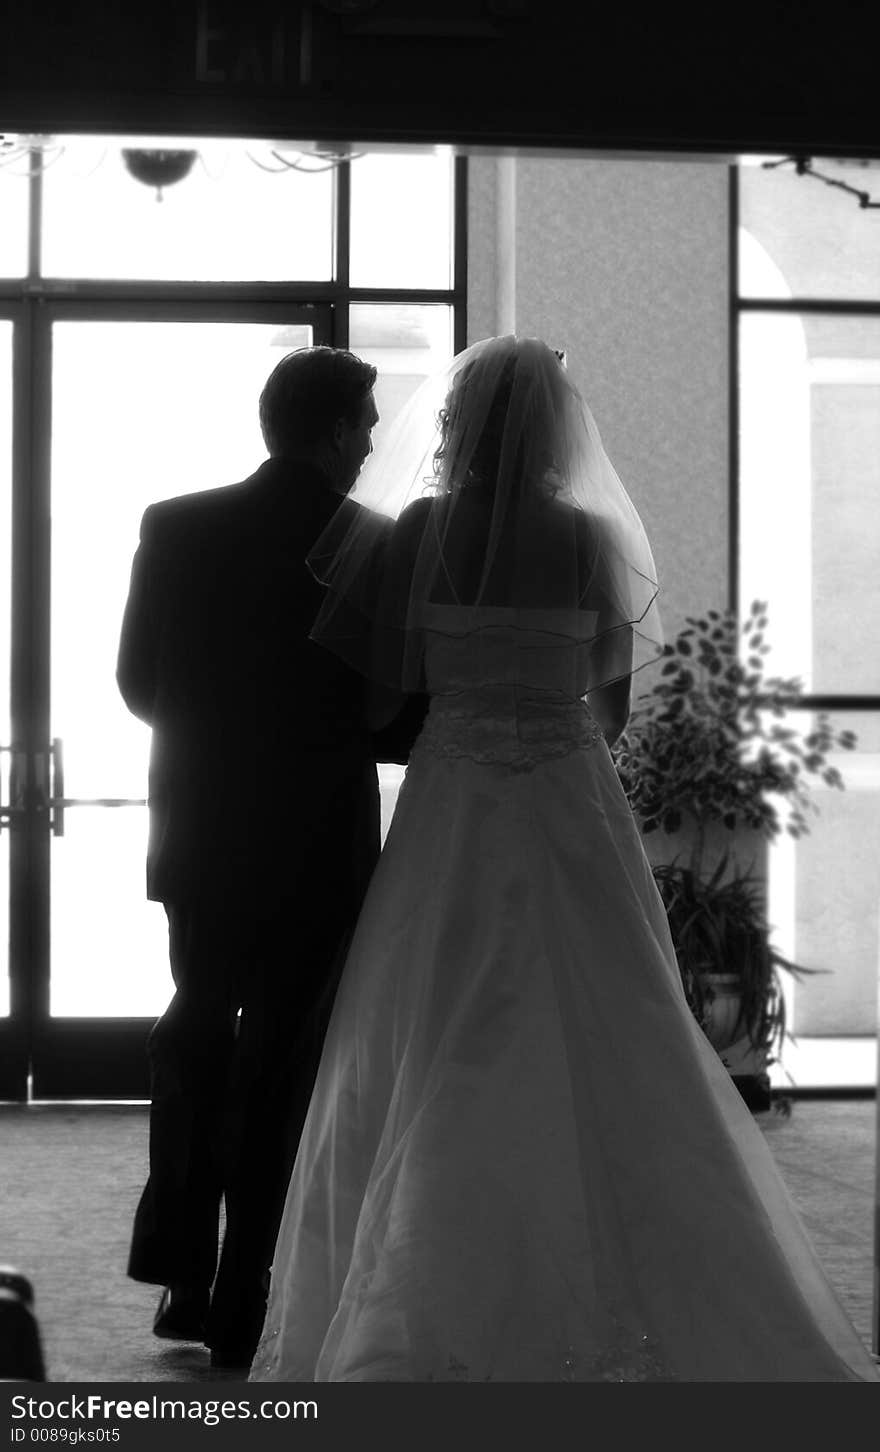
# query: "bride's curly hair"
482, 466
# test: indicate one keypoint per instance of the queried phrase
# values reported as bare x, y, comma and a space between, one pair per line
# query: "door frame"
41, 1056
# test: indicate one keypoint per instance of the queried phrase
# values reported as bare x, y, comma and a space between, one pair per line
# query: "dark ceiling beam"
778, 78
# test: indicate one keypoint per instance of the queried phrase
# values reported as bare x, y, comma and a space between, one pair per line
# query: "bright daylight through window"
808, 313
173, 274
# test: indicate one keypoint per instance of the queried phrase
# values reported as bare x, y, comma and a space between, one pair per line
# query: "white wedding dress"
523, 1161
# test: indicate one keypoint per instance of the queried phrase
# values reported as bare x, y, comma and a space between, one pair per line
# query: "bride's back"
525, 559
500, 611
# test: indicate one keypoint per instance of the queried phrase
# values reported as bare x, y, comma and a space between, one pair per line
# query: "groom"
264, 830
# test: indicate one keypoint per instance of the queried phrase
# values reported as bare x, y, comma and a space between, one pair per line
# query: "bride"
523, 1161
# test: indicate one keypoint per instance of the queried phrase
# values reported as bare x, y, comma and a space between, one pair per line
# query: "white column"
505, 277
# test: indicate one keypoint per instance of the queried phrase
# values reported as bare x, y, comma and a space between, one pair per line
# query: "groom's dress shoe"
182, 1313
233, 1356
236, 1323
233, 1348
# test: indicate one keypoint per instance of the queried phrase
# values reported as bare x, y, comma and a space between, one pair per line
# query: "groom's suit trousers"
234, 1056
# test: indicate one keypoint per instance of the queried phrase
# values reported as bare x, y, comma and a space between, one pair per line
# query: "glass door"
142, 409
7, 1070
141, 311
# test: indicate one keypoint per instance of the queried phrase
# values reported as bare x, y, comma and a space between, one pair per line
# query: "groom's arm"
138, 642
396, 717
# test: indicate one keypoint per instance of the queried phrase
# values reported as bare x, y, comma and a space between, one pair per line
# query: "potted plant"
713, 772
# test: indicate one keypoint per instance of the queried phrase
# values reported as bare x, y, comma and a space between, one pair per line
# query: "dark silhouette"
264, 830
21, 1353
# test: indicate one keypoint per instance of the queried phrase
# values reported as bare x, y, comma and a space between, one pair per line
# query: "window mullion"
342, 252
35, 217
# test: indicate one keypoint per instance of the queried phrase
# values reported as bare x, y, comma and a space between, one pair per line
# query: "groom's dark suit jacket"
259, 738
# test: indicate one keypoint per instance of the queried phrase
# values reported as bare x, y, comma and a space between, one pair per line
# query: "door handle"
16, 806
38, 785
5, 807
58, 802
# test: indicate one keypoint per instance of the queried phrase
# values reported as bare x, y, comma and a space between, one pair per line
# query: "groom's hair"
307, 392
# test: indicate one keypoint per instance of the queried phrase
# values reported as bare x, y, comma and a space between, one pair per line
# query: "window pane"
14, 194
199, 428
401, 221
5, 523
406, 342
227, 220
109, 945
141, 411
824, 891
809, 487
806, 239
5, 608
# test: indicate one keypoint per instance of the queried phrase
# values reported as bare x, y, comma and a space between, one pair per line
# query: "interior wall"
625, 265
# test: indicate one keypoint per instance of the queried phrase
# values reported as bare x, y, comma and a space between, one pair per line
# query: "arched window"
806, 329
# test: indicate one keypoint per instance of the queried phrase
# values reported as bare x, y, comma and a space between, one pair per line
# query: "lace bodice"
500, 727
509, 693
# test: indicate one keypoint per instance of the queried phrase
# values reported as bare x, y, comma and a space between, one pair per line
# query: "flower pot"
723, 1006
